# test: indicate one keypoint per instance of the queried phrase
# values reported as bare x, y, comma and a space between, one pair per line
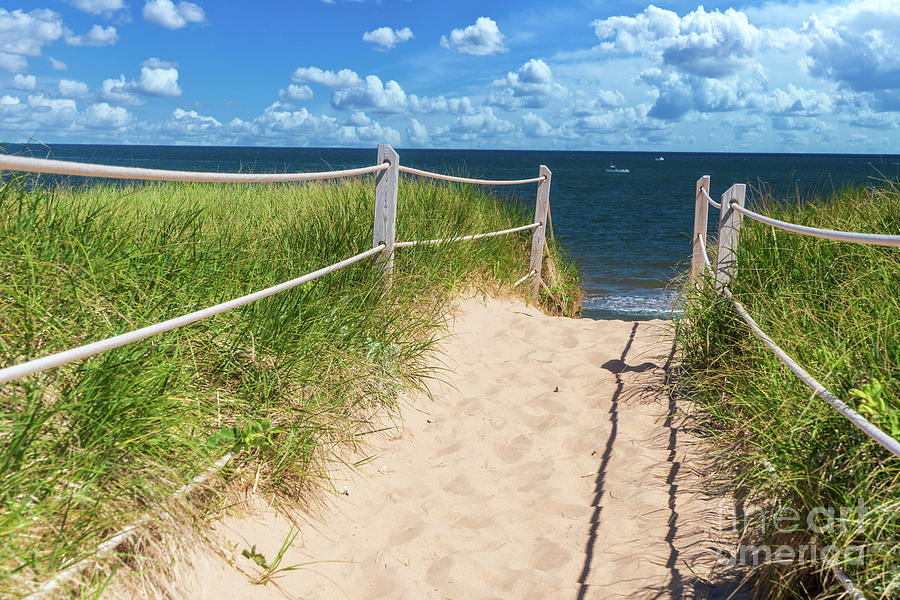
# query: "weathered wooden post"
537, 238
729, 228
701, 214
386, 206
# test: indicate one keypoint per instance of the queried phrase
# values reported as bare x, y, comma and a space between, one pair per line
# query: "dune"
547, 465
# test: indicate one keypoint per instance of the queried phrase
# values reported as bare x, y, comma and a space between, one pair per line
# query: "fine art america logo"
780, 524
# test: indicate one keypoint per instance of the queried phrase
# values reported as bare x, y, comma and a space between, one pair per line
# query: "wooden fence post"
541, 206
701, 215
386, 206
729, 228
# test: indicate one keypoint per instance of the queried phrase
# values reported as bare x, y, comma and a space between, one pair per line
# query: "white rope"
524, 279
118, 538
60, 358
709, 199
889, 443
700, 237
61, 167
468, 237
876, 239
841, 576
432, 175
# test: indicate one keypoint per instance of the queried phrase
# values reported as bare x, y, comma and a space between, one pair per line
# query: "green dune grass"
835, 308
87, 448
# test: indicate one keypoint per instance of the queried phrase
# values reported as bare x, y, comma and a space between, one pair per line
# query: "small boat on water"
659, 158
613, 169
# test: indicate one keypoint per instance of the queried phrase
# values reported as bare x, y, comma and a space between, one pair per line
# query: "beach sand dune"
547, 466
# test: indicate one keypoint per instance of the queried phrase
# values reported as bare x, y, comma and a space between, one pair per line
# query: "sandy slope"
550, 471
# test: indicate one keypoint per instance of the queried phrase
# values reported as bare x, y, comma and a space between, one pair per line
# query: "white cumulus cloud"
371, 95
57, 65
482, 124
24, 82
116, 91
343, 79
27, 33
535, 126
707, 44
190, 122
481, 39
157, 82
96, 7
97, 36
104, 116
532, 86
158, 78
858, 46
296, 93
354, 93
12, 62
69, 88
417, 133
386, 38
166, 14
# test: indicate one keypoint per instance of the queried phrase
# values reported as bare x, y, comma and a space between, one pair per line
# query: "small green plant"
271, 571
255, 556
874, 406
257, 433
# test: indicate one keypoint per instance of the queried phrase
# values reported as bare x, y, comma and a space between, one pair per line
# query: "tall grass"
835, 308
89, 447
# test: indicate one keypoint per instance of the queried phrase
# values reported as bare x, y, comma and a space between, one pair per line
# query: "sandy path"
550, 471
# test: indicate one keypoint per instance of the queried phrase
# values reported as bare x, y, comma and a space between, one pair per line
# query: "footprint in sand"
511, 452
459, 486
439, 573
549, 556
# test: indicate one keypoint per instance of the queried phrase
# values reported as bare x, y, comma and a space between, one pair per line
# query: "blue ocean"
630, 233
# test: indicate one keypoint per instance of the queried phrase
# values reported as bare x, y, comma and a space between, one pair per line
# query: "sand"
548, 467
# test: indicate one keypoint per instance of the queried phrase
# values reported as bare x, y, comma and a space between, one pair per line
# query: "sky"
530, 74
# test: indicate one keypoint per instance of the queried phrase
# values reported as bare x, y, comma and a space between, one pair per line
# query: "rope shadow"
617, 367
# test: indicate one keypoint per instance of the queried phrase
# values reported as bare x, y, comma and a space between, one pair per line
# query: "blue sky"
745, 76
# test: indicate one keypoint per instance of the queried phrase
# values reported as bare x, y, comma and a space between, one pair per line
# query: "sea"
629, 233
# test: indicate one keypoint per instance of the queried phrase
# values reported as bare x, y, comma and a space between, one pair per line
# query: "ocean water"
629, 233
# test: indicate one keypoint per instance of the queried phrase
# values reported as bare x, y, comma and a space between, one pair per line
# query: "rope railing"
60, 358
117, 539
871, 430
385, 216
443, 177
868, 428
875, 239
703, 253
729, 227
524, 279
62, 167
709, 198
466, 238
886, 441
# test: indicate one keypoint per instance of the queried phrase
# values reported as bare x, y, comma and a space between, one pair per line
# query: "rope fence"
871, 430
876, 239
61, 358
61, 167
729, 226
443, 177
523, 279
386, 186
117, 539
466, 238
